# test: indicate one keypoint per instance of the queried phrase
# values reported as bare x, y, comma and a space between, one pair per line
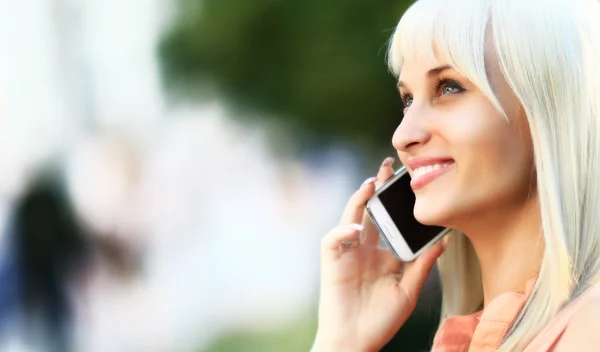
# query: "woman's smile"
425, 170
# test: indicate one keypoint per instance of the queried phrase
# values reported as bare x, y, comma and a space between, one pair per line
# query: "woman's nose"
410, 134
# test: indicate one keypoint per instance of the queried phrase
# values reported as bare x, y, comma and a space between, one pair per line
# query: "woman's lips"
423, 175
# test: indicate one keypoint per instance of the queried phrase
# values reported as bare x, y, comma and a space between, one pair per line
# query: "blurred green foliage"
320, 66
415, 336
295, 337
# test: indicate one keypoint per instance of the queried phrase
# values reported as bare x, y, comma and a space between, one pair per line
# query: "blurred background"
168, 168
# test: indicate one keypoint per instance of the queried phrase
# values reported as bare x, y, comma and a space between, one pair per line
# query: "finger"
353, 214
342, 237
417, 271
385, 172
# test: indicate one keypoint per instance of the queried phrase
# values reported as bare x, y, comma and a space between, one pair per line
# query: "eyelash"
439, 83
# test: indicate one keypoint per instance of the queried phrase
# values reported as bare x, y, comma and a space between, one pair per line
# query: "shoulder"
582, 333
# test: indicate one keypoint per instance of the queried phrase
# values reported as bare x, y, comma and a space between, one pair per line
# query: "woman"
509, 92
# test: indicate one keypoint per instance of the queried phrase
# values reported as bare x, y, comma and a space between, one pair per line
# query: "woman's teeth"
420, 171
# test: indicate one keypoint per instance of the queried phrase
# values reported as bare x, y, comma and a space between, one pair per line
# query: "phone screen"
399, 201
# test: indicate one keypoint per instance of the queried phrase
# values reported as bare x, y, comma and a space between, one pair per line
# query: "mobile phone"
391, 210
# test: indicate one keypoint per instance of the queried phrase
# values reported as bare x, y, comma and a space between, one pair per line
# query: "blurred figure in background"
50, 250
70, 257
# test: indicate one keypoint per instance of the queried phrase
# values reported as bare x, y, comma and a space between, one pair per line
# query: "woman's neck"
509, 247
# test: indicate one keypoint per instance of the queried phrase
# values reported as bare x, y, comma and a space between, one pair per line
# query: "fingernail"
388, 161
357, 227
369, 180
445, 241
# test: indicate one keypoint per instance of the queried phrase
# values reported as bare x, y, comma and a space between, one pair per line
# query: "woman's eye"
406, 100
443, 87
449, 90
450, 87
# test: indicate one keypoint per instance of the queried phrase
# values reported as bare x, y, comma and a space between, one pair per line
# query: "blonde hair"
548, 53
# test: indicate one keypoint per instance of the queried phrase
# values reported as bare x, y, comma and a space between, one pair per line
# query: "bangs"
444, 32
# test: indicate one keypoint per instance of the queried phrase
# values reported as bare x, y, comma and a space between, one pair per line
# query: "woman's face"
466, 161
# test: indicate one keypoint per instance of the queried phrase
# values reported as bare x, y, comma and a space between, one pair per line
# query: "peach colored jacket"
483, 331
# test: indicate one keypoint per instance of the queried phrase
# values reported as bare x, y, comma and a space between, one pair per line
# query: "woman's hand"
366, 292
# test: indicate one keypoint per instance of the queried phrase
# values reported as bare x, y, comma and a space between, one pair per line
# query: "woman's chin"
430, 214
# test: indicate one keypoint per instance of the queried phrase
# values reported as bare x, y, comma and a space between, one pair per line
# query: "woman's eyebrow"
433, 72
